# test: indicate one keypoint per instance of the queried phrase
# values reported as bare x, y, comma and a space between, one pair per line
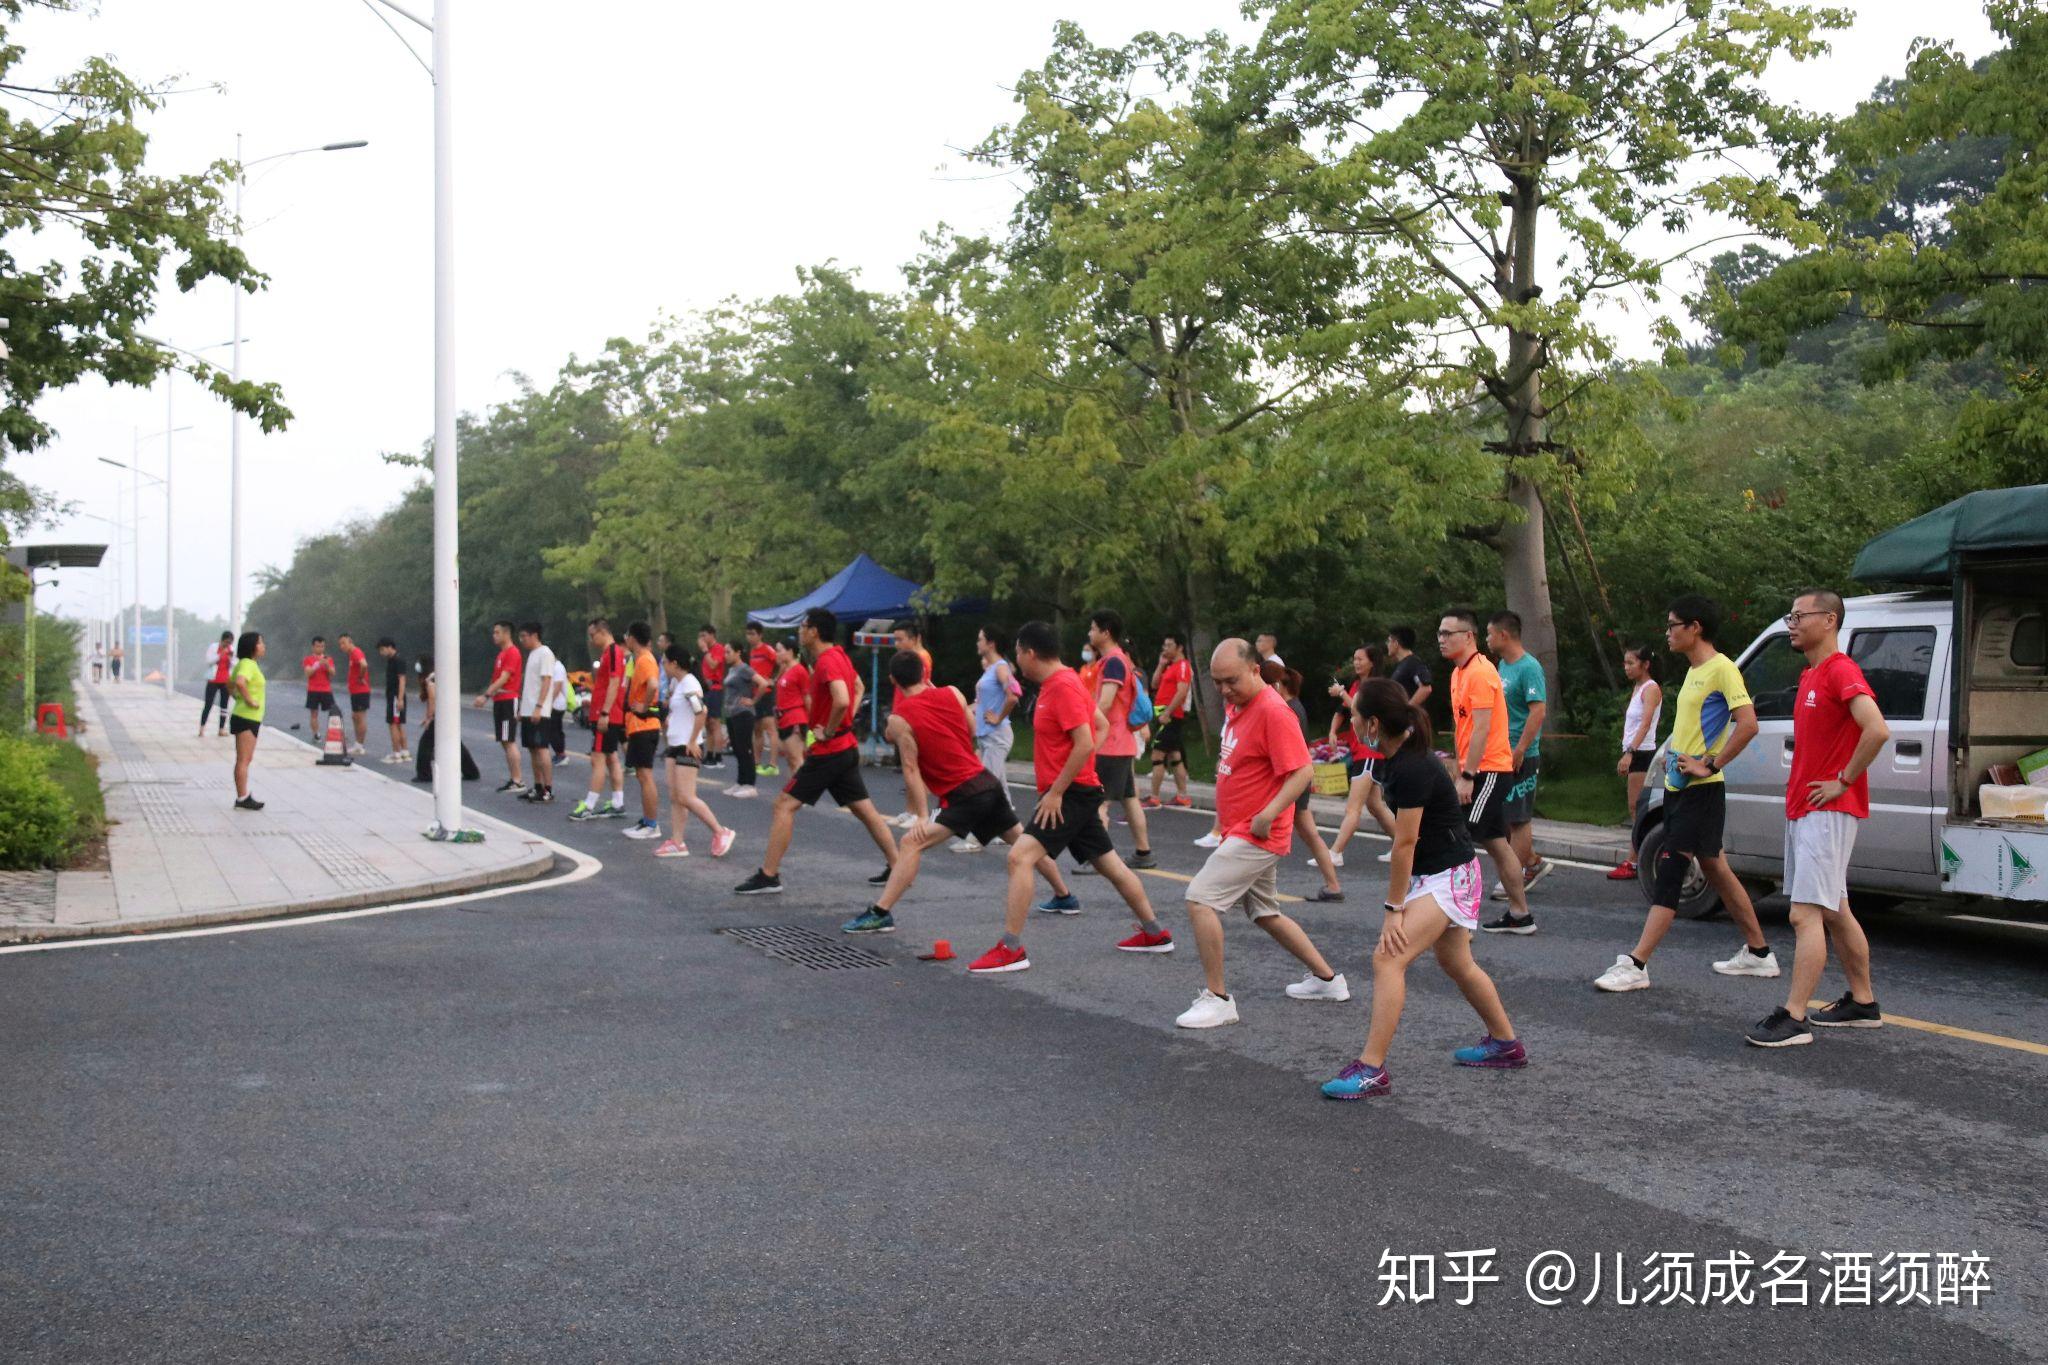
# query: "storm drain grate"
805, 947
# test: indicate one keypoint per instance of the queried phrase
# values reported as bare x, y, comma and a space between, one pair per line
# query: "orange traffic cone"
334, 751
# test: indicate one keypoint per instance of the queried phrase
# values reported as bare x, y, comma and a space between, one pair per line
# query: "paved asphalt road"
578, 1123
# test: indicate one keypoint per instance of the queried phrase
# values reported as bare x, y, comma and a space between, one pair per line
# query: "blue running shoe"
1068, 904
1492, 1052
870, 921
1358, 1082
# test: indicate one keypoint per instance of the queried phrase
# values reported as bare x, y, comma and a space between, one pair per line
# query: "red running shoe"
1182, 803
1626, 872
1154, 803
1000, 959
1147, 941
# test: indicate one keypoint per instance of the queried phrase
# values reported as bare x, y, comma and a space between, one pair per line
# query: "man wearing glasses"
1715, 722
1486, 764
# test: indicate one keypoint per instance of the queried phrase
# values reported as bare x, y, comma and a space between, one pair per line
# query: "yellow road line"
1968, 1035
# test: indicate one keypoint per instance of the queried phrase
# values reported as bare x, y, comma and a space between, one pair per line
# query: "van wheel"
1697, 899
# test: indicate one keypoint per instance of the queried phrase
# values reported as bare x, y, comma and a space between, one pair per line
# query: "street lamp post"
235, 371
136, 476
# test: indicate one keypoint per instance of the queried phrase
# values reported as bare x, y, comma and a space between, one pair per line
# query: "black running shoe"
1846, 1013
1779, 1029
512, 784
1324, 896
1142, 860
760, 884
248, 803
1511, 923
880, 878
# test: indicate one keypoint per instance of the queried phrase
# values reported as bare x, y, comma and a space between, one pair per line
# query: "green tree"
1971, 291
1501, 162
72, 148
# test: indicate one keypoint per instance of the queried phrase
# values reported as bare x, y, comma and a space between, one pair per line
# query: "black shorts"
785, 731
1639, 760
535, 734
1080, 830
504, 720
641, 747
1118, 781
1487, 817
1520, 806
681, 757
609, 739
242, 725
1166, 740
837, 773
979, 808
321, 701
394, 710
1694, 819
359, 701
714, 703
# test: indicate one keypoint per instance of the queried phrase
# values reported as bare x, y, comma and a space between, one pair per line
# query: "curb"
534, 865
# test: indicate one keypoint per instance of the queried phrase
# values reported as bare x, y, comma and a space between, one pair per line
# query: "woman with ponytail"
1433, 894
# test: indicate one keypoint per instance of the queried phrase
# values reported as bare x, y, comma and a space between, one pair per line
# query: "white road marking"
2002, 923
586, 867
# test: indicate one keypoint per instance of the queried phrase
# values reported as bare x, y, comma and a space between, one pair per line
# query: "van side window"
1896, 663
1772, 677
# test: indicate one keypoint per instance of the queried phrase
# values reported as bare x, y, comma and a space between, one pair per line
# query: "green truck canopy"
1924, 550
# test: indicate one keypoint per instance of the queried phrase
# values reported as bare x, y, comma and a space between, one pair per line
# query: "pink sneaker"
672, 848
721, 842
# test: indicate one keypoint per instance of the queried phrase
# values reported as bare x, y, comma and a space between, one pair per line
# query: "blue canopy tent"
863, 591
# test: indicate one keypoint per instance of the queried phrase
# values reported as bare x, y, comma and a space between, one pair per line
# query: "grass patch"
77, 775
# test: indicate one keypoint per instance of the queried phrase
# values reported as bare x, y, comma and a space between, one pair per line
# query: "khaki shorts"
1238, 873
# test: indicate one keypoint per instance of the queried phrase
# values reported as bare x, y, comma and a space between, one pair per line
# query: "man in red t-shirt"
1115, 688
1173, 687
502, 695
358, 688
1262, 768
607, 712
319, 669
1066, 728
761, 658
933, 731
711, 671
1838, 730
832, 762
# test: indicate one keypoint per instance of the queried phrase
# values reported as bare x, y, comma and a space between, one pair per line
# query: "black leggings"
740, 732
423, 759
215, 690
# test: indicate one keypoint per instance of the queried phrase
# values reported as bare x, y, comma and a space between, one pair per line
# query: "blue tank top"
989, 695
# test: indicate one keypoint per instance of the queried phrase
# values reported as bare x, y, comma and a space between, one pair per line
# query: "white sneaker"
1336, 859
359, 749
1312, 987
1745, 963
1387, 857
967, 845
904, 821
1208, 1011
643, 832
1624, 975
1209, 841
743, 793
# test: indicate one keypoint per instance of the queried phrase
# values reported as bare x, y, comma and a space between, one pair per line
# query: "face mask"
1087, 655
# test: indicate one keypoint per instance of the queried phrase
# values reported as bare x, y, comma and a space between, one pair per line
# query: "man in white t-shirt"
536, 709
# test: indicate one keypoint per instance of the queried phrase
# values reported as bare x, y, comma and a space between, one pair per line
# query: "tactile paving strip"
805, 947
339, 862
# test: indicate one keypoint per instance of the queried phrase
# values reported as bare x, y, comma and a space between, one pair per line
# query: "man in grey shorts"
1262, 766
1837, 731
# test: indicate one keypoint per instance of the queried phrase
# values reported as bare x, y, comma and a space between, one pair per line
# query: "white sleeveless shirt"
1634, 718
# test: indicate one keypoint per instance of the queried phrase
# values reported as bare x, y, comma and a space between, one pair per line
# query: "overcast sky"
614, 161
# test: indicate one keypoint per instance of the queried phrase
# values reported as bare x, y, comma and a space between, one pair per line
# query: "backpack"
1141, 712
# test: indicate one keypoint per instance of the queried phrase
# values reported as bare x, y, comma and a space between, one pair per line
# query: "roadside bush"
37, 819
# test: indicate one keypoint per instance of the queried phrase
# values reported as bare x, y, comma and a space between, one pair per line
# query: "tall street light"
136, 475
235, 371
447, 756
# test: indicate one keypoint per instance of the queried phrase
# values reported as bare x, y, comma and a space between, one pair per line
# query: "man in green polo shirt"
1521, 678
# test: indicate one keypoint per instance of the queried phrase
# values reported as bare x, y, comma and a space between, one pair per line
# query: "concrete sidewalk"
181, 855
1600, 844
